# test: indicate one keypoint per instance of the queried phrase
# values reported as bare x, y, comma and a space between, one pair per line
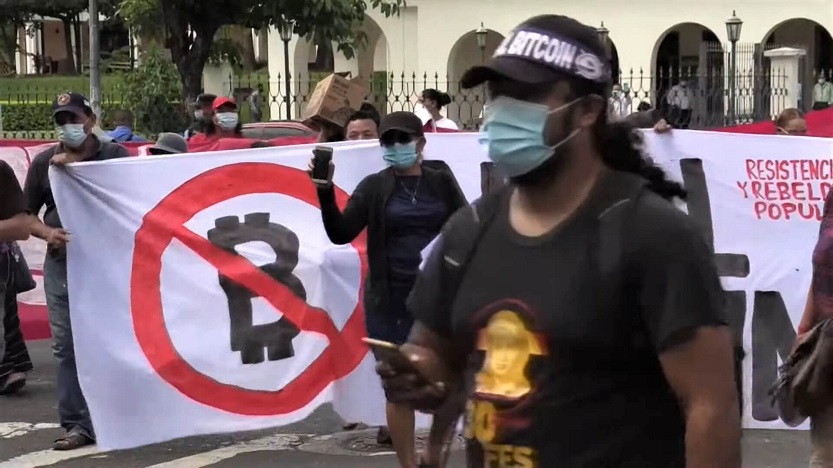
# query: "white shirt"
619, 108
446, 123
679, 96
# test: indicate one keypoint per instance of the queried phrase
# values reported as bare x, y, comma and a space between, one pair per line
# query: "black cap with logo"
71, 101
545, 49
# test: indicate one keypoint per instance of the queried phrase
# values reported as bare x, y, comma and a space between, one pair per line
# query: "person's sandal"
13, 384
72, 442
383, 437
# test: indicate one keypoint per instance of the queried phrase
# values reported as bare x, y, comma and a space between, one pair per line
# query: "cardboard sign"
334, 100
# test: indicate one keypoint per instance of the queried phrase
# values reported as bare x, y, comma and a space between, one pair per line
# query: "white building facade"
650, 40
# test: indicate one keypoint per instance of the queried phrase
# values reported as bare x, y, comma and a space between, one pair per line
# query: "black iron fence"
694, 99
698, 99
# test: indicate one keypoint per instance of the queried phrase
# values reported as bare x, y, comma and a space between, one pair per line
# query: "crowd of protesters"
629, 346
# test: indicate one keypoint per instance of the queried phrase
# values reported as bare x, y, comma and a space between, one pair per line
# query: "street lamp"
285, 28
481, 34
733, 27
603, 33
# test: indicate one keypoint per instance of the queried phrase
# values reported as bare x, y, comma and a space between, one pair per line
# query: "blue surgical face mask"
71, 135
400, 156
513, 134
227, 120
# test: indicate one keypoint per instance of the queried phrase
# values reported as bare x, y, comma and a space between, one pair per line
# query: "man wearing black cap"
74, 120
577, 312
203, 112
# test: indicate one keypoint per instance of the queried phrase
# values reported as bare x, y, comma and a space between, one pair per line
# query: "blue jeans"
72, 407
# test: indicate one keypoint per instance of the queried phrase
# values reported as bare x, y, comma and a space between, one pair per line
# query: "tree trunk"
249, 62
79, 64
68, 42
190, 74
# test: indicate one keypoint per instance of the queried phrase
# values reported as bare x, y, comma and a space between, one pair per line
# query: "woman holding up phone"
403, 208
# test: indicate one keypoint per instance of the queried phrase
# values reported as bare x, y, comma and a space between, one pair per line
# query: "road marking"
16, 429
47, 457
271, 443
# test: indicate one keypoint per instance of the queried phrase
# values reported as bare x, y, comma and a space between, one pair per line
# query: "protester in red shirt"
225, 123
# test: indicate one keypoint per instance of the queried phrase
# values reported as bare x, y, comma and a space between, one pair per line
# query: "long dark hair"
620, 144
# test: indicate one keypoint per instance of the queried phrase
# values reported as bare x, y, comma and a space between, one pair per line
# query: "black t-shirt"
562, 361
39, 192
11, 196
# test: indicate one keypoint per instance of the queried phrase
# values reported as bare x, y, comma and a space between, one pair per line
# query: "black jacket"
366, 209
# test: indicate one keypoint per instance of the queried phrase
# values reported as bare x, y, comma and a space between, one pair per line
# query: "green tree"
152, 93
12, 19
67, 11
189, 27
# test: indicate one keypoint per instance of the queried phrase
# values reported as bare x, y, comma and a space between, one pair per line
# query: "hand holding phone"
321, 167
410, 374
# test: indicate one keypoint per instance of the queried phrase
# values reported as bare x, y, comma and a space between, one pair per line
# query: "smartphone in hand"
390, 353
322, 156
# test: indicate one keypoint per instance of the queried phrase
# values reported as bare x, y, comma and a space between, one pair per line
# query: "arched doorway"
467, 104
815, 39
688, 76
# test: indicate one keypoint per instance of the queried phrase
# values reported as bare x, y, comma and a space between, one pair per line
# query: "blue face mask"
513, 134
400, 156
71, 135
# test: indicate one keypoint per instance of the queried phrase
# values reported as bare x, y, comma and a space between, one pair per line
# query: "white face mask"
227, 120
198, 114
72, 135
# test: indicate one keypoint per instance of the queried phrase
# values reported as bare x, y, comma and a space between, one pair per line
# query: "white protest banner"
156, 326
758, 201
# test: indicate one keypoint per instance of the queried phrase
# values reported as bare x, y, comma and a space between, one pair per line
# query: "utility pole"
95, 56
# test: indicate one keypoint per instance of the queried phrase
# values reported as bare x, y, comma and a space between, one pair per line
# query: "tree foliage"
189, 27
15, 13
152, 93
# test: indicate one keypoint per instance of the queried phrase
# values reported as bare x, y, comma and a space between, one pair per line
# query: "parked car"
276, 129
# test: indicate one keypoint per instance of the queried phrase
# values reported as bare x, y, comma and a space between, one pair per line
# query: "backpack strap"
460, 240
623, 192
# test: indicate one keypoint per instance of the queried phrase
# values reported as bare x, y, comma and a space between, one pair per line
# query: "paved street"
28, 426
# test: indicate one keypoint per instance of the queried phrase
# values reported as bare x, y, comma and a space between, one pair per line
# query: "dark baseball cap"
406, 122
205, 100
71, 101
544, 49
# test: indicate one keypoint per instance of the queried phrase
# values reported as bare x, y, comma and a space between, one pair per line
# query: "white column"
31, 46
784, 70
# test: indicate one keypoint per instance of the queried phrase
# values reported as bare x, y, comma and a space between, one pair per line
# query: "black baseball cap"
406, 122
71, 101
205, 100
545, 49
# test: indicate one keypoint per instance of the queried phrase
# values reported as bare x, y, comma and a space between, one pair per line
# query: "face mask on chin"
513, 135
71, 135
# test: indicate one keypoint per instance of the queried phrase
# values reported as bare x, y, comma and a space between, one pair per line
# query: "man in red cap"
225, 123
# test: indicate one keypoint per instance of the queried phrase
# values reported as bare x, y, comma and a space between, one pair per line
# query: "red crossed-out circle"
166, 222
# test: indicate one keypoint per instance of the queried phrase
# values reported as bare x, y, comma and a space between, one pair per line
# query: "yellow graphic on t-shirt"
508, 345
